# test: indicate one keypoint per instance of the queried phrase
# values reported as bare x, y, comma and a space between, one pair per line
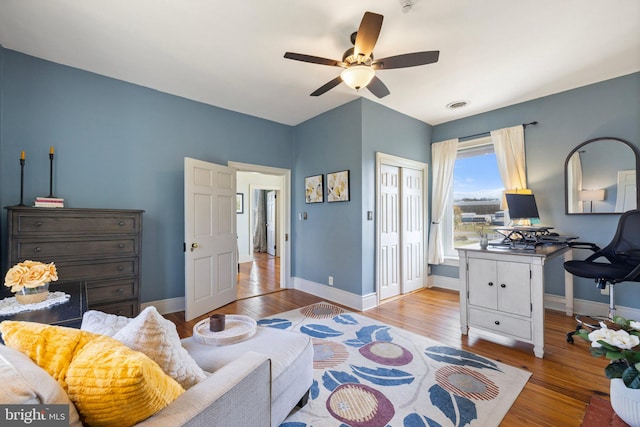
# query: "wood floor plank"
561, 384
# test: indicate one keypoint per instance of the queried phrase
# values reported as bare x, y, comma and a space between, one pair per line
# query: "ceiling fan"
359, 64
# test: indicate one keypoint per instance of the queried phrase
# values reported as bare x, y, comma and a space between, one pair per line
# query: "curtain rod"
477, 135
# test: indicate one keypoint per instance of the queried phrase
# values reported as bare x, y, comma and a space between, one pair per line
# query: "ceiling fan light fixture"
357, 76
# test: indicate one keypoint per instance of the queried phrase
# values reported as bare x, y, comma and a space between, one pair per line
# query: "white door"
401, 230
413, 259
271, 223
626, 196
210, 236
389, 220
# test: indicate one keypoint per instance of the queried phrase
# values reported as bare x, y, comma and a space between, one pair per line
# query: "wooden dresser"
101, 247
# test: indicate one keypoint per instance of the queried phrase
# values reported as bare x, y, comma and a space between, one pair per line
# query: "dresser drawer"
124, 308
69, 222
80, 247
500, 323
111, 290
109, 268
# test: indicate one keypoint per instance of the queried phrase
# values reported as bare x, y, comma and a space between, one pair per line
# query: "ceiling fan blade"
367, 37
313, 59
378, 88
328, 86
407, 60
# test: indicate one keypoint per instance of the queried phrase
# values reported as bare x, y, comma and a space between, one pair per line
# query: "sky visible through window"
477, 177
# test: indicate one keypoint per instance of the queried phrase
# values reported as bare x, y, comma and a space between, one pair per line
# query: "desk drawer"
68, 222
111, 290
125, 308
87, 270
73, 247
500, 323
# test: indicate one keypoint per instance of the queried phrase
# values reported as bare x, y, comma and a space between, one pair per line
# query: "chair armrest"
223, 398
584, 245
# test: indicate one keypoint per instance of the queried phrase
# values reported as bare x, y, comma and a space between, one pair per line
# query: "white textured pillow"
157, 337
25, 383
103, 323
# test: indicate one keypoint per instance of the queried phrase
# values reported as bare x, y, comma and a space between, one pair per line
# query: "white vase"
484, 242
625, 402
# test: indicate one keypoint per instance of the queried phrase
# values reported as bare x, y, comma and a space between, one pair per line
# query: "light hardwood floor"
557, 392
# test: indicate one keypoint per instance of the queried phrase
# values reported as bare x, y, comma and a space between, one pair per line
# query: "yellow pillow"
109, 383
50, 347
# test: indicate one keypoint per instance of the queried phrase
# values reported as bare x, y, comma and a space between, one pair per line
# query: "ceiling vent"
457, 104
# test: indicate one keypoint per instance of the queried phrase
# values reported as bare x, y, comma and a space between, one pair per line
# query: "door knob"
193, 246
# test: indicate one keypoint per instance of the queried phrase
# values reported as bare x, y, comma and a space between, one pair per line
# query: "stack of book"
49, 202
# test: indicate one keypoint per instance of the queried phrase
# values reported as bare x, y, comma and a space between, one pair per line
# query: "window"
474, 202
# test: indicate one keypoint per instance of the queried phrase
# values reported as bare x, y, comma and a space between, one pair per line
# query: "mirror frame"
635, 151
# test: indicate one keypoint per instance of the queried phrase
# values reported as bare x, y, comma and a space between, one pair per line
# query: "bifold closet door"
389, 221
412, 230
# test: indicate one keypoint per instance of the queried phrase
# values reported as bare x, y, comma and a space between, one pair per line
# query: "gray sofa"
219, 400
222, 399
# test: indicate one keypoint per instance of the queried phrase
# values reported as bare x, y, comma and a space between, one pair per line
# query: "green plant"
619, 342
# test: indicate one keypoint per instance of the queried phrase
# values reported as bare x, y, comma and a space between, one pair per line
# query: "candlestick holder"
21, 182
51, 175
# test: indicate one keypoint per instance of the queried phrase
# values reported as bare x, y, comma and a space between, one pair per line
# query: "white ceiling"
493, 53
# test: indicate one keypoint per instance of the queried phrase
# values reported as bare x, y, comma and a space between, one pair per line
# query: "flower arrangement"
618, 341
30, 274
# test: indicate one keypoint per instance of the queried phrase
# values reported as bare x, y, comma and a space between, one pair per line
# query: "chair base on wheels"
585, 322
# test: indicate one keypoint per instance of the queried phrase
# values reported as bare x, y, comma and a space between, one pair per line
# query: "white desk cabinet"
502, 292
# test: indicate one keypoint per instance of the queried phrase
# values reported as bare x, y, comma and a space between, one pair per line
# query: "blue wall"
609, 108
120, 145
337, 239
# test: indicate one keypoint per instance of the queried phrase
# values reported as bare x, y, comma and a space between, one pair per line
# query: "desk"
502, 291
66, 314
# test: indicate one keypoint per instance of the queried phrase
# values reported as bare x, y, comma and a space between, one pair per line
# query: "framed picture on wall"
239, 203
338, 186
313, 189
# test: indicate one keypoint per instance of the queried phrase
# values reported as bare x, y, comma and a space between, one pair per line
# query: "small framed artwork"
239, 203
338, 186
313, 189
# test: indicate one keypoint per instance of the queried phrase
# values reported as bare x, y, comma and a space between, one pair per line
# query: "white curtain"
260, 232
508, 144
574, 184
443, 159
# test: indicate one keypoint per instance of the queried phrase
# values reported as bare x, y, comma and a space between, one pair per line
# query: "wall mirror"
601, 177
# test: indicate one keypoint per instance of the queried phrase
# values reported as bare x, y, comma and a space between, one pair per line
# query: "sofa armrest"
239, 393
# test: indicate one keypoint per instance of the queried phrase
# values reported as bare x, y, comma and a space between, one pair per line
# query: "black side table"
66, 314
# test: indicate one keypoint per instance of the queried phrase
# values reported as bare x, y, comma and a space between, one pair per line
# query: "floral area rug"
368, 374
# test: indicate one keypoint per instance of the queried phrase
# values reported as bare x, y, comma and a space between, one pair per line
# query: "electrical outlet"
330, 280
605, 291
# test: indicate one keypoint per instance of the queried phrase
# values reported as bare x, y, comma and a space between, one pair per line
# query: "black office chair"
617, 262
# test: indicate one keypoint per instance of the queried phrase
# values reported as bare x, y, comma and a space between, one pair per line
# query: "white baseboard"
444, 282
351, 300
551, 301
245, 258
366, 302
165, 306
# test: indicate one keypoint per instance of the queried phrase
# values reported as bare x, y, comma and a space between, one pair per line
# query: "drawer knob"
497, 322
121, 223
120, 267
36, 249
503, 285
120, 290
490, 283
37, 223
121, 245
